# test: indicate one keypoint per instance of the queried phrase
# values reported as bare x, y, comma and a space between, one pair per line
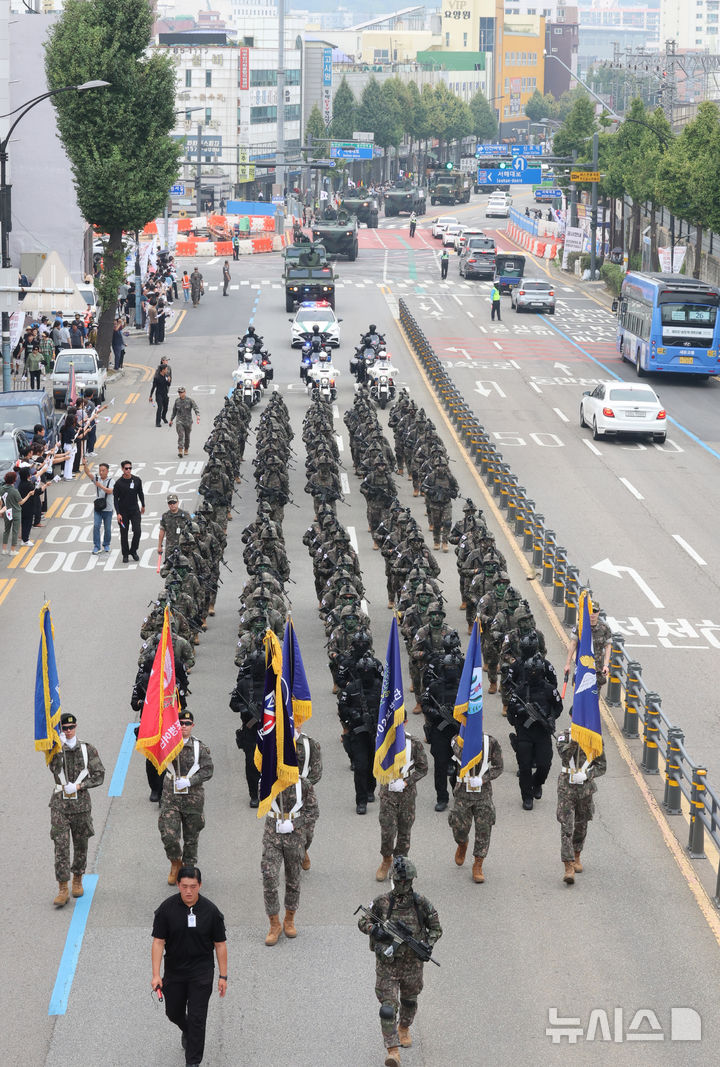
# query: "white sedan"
497, 207
449, 234
623, 408
315, 313
441, 222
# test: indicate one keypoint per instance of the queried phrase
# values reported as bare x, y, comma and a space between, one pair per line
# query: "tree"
117, 139
315, 131
380, 111
575, 130
484, 119
343, 125
539, 107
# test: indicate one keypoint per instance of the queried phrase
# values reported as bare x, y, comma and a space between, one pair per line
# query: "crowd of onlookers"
35, 351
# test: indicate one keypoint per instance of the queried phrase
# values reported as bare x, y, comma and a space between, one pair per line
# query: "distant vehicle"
365, 208
406, 197
90, 375
448, 234
24, 409
533, 294
667, 322
441, 223
450, 187
466, 235
613, 408
497, 207
339, 235
509, 270
477, 259
315, 313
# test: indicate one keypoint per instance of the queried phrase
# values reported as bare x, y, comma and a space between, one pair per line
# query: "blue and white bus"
670, 323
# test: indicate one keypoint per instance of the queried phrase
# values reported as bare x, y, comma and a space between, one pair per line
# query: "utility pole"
199, 169
594, 206
280, 152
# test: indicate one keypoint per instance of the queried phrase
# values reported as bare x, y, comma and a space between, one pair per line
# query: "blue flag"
586, 727
295, 681
47, 690
390, 738
469, 706
275, 755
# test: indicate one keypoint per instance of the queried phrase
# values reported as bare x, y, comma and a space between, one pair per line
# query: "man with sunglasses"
129, 506
75, 768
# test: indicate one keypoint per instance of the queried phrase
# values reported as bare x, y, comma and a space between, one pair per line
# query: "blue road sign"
491, 150
351, 150
511, 176
544, 191
177, 190
526, 149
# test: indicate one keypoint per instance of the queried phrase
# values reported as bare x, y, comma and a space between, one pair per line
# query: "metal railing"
640, 713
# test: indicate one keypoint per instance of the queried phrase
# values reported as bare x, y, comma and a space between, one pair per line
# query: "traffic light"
449, 165
504, 164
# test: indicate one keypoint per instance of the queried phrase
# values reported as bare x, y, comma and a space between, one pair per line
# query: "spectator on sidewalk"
118, 344
33, 365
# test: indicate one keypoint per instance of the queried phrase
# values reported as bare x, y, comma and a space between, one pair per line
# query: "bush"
612, 274
572, 259
584, 261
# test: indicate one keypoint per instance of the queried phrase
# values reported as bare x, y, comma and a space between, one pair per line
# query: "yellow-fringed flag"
469, 707
275, 755
390, 742
159, 736
47, 690
586, 726
294, 678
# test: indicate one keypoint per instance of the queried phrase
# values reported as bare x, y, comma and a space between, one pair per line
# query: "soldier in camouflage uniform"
182, 413
378, 488
474, 802
602, 645
575, 804
75, 768
397, 806
440, 489
428, 641
182, 805
324, 483
310, 768
399, 977
283, 844
172, 523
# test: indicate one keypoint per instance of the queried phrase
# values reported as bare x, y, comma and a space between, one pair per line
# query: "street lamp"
5, 206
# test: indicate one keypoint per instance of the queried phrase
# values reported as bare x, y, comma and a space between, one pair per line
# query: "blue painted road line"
117, 783
613, 374
73, 944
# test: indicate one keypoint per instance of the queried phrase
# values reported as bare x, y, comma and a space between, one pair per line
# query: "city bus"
670, 323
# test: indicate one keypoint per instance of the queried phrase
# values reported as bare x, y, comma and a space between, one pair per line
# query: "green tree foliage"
575, 130
315, 131
344, 111
540, 107
117, 139
484, 119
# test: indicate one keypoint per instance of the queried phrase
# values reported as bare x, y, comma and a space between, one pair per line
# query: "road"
518, 952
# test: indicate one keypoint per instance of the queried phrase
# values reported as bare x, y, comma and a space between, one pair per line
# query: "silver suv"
533, 294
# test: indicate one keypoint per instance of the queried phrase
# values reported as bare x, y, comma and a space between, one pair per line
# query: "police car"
315, 313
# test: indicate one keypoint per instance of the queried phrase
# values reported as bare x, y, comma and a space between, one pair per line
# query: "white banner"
574, 238
677, 260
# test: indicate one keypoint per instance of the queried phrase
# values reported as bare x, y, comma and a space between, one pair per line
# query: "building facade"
691, 23
561, 41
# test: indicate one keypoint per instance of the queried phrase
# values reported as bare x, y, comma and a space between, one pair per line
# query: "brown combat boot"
384, 869
436, 544
463, 605
569, 878
492, 688
460, 853
504, 710
404, 1035
77, 886
63, 895
577, 864
417, 710
477, 871
392, 1057
306, 861
175, 866
446, 547
289, 923
275, 930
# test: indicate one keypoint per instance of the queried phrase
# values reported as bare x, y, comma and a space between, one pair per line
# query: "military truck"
338, 231
308, 276
404, 196
365, 208
450, 187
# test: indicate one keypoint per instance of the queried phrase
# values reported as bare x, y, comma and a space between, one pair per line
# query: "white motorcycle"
321, 379
381, 379
249, 379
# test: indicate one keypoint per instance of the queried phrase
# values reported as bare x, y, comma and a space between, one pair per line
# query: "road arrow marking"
480, 388
607, 567
562, 366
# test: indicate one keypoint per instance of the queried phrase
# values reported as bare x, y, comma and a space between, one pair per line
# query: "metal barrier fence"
640, 707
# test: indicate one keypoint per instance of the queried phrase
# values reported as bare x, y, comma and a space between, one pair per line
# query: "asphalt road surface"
634, 935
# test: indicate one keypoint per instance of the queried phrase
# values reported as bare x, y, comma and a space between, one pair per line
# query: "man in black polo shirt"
187, 927
129, 506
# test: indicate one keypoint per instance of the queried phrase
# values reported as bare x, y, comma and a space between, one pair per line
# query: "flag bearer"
182, 804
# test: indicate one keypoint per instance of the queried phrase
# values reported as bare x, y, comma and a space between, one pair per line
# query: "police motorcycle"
250, 379
310, 353
321, 378
381, 379
372, 337
250, 339
362, 360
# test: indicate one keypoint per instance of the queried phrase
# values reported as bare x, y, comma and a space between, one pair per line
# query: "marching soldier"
397, 806
182, 413
438, 700
76, 768
284, 837
172, 523
533, 707
182, 803
602, 645
474, 803
575, 806
310, 770
399, 976
440, 489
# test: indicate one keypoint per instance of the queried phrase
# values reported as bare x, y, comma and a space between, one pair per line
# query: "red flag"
160, 736
72, 386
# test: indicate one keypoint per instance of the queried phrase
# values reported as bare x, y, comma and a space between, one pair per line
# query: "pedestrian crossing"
424, 278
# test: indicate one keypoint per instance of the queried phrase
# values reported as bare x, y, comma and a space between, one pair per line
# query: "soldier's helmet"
512, 597
523, 618
267, 534
435, 609
468, 505
403, 869
528, 646
451, 642
501, 580
349, 613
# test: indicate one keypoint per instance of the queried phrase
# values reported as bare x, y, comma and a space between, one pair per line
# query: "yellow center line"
175, 325
29, 555
58, 503
63, 504
688, 872
147, 372
6, 585
17, 558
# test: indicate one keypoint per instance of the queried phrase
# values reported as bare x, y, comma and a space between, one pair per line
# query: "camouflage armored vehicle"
404, 197
365, 208
308, 276
338, 232
450, 187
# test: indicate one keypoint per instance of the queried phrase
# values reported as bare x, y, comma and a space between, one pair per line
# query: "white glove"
182, 783
284, 826
475, 782
70, 789
578, 777
397, 785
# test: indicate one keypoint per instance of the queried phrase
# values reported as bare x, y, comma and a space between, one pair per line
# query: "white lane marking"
246, 281
234, 286
385, 266
561, 415
591, 446
336, 411
690, 550
537, 388
498, 346
364, 607
211, 261
435, 302
457, 298
631, 489
352, 535
340, 444
344, 483
617, 571
379, 239
470, 315
514, 363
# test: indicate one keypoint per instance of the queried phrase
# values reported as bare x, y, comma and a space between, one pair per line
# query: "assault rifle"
399, 933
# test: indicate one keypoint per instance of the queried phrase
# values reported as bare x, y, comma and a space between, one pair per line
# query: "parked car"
441, 223
613, 408
24, 409
533, 294
90, 375
13, 445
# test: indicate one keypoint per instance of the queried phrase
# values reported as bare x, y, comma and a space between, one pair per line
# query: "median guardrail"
640, 714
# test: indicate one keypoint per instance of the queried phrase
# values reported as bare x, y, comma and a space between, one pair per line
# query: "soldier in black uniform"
360, 683
533, 707
247, 699
442, 677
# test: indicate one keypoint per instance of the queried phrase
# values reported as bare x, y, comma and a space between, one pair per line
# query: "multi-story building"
691, 23
521, 70
561, 41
